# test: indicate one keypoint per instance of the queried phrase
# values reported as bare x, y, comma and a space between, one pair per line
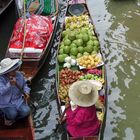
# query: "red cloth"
82, 121
38, 30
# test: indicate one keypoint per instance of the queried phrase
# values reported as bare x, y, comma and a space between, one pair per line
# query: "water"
117, 23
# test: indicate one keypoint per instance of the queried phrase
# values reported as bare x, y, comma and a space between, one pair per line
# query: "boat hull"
5, 5
104, 76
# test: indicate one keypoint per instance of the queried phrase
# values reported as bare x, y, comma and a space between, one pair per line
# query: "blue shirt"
11, 96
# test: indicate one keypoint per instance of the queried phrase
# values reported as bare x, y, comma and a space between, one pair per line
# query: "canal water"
117, 24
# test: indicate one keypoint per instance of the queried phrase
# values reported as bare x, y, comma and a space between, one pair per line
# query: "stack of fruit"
78, 41
91, 77
68, 76
89, 62
63, 92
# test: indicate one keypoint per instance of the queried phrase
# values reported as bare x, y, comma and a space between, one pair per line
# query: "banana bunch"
63, 92
75, 22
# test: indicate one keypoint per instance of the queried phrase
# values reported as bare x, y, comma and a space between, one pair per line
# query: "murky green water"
117, 23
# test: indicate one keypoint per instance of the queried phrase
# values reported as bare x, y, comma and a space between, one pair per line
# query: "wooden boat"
4, 4
74, 64
32, 62
24, 129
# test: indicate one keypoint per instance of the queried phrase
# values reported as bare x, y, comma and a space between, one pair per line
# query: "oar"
24, 35
60, 121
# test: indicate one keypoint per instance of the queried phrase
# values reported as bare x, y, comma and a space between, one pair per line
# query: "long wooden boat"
32, 62
80, 57
4, 4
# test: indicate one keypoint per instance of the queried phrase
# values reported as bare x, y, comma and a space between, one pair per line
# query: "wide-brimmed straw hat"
7, 65
83, 93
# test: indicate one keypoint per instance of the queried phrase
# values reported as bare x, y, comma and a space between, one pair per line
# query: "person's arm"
3, 87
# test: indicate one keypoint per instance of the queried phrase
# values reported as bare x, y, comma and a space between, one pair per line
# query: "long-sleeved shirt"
82, 121
10, 95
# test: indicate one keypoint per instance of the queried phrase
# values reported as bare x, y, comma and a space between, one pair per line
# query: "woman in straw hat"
81, 118
12, 104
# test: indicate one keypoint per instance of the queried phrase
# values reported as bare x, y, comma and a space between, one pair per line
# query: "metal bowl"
76, 9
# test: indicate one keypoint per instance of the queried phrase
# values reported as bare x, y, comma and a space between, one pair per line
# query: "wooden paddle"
63, 114
60, 120
24, 35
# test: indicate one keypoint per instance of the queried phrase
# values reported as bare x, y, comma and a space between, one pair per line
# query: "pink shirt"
82, 121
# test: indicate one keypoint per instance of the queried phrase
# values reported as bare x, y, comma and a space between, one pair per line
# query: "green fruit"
89, 48
67, 42
93, 52
81, 78
79, 36
74, 51
62, 46
90, 33
71, 36
61, 58
96, 42
80, 49
73, 57
90, 42
94, 38
79, 42
66, 49
65, 55
89, 76
74, 41
61, 51
79, 55
64, 34
84, 30
86, 53
85, 37
73, 45
62, 43
96, 48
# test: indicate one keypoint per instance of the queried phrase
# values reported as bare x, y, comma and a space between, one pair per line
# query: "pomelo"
85, 37
67, 42
73, 45
74, 51
90, 42
81, 49
61, 51
79, 42
96, 42
66, 49
71, 36
61, 58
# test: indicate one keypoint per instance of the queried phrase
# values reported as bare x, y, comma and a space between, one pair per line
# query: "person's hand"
26, 95
67, 105
13, 81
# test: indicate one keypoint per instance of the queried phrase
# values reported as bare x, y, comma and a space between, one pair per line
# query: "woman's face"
12, 73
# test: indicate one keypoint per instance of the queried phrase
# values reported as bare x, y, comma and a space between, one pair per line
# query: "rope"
24, 36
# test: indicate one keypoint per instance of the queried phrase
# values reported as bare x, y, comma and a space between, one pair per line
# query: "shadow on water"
44, 91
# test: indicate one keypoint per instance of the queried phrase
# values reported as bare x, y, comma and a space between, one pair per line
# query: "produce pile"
79, 47
78, 39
